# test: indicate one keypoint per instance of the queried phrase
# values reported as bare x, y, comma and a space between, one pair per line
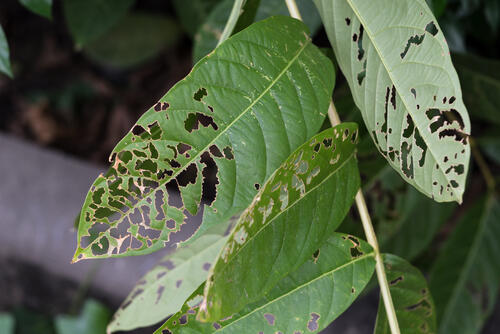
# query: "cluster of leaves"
268, 255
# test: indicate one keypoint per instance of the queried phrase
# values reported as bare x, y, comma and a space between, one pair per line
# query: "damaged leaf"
163, 290
305, 301
465, 278
292, 215
402, 79
240, 113
411, 297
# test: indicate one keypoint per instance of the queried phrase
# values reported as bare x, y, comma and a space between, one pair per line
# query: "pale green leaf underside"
399, 69
466, 275
163, 290
411, 297
305, 301
242, 110
302, 203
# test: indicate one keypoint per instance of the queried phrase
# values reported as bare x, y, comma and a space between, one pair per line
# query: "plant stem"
365, 217
372, 240
231, 22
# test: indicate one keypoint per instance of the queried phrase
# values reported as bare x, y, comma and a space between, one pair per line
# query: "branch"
365, 217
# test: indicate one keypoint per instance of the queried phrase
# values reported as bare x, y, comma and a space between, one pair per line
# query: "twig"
365, 218
232, 20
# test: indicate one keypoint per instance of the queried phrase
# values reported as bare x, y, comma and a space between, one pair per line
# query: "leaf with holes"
303, 202
241, 111
466, 276
163, 290
411, 297
402, 79
316, 294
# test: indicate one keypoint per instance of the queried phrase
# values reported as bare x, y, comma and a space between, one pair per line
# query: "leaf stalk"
365, 216
232, 20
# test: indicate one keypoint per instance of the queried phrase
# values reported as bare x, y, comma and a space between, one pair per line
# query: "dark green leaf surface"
242, 110
89, 19
4, 55
419, 221
305, 301
163, 290
466, 275
403, 81
193, 14
490, 146
480, 78
40, 7
437, 6
293, 214
93, 319
134, 39
411, 297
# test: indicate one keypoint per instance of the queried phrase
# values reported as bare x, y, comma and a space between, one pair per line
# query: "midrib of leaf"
469, 262
195, 157
362, 257
389, 73
281, 212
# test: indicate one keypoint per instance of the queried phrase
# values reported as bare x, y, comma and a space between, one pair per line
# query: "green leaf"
194, 13
419, 221
133, 40
302, 203
402, 79
466, 275
480, 78
4, 55
163, 290
6, 323
307, 300
239, 112
93, 319
412, 300
89, 19
40, 7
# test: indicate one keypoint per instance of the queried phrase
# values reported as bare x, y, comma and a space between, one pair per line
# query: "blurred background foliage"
77, 74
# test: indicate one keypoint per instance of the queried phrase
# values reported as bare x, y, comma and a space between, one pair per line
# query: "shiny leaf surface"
242, 110
303, 202
305, 301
